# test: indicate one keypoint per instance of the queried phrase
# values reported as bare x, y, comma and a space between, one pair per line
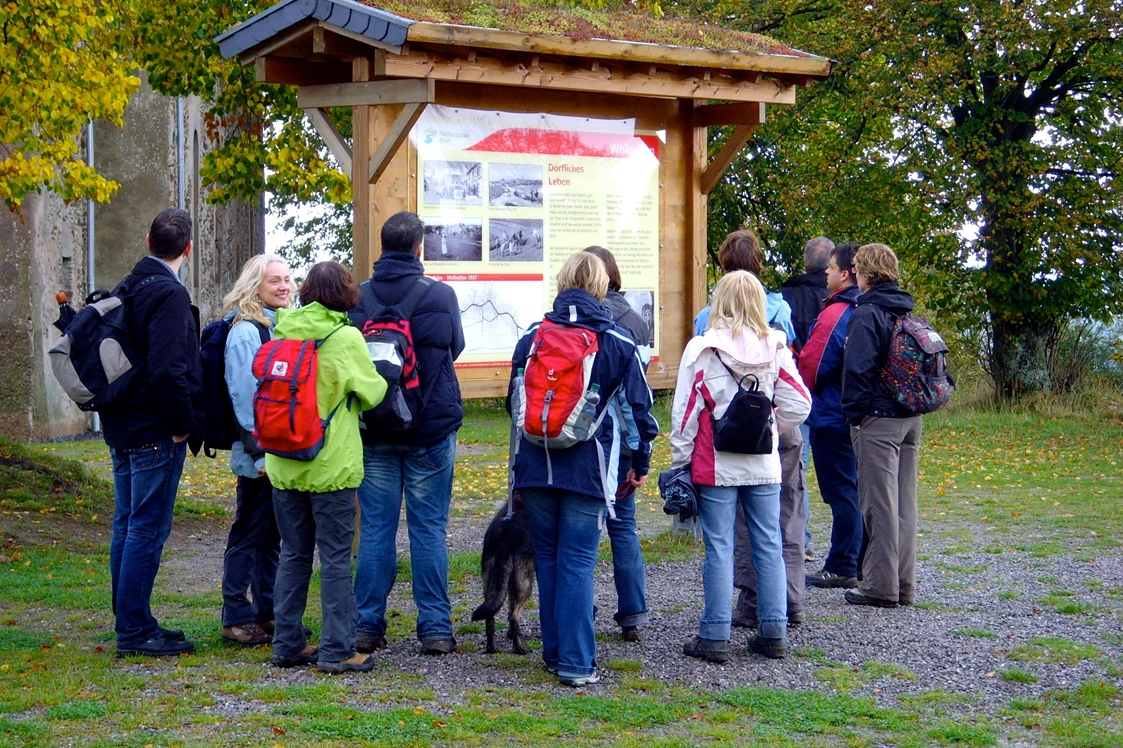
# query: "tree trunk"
1019, 359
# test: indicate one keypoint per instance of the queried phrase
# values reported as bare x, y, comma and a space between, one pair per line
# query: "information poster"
507, 198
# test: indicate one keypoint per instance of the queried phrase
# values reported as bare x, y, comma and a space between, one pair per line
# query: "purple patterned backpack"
915, 372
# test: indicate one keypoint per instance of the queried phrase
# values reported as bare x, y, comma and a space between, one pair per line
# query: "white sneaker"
580, 681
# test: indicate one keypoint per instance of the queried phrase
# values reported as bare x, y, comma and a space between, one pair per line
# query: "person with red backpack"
885, 434
566, 373
315, 378
254, 544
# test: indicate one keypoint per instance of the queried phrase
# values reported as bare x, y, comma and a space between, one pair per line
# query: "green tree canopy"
60, 66
980, 139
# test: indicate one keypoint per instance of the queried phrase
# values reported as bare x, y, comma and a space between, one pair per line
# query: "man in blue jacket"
820, 366
147, 434
416, 463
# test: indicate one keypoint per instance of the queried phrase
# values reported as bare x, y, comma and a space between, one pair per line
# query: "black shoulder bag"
746, 426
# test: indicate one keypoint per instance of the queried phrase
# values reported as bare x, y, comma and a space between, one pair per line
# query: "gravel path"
832, 649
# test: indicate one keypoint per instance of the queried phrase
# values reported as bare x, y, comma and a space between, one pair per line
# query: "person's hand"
261, 471
637, 482
180, 438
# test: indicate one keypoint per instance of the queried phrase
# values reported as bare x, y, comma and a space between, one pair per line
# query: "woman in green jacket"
315, 500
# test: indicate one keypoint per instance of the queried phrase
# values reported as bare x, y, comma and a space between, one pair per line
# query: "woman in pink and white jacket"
739, 342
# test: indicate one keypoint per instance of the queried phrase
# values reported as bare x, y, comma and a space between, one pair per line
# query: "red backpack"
286, 418
555, 405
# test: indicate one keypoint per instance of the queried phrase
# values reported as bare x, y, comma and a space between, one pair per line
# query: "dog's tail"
496, 574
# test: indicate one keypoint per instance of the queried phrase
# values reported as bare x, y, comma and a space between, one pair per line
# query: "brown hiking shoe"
248, 634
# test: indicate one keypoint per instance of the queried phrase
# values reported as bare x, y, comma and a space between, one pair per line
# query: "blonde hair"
878, 263
739, 304
243, 296
586, 271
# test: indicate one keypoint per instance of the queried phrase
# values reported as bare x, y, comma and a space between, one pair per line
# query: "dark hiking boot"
248, 635
631, 634
854, 597
711, 650
369, 642
438, 646
157, 646
777, 649
307, 656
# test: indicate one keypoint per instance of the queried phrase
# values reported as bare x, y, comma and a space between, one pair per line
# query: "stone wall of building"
43, 251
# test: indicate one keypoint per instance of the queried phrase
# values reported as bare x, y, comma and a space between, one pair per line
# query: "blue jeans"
718, 513
805, 430
837, 469
424, 476
309, 521
145, 480
628, 570
566, 531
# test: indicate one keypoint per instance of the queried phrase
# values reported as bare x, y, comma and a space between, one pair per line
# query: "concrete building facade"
43, 250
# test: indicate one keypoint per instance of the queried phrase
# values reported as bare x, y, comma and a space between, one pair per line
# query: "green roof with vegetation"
579, 23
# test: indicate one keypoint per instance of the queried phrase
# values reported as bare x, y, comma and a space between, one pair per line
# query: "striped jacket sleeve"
685, 411
820, 359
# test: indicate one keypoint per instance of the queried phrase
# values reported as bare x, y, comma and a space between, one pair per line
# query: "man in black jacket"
415, 463
885, 435
805, 294
147, 434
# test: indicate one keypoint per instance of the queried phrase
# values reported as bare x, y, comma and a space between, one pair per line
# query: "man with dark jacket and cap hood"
805, 294
416, 463
886, 436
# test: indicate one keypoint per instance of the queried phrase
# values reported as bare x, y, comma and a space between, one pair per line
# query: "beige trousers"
888, 452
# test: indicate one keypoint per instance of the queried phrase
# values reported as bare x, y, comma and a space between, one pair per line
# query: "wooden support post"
393, 191
392, 139
695, 135
363, 144
335, 142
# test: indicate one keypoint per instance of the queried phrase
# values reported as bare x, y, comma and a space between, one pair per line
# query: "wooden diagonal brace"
395, 136
734, 143
335, 142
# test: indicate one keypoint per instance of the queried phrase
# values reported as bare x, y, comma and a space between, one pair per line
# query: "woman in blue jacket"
567, 491
253, 548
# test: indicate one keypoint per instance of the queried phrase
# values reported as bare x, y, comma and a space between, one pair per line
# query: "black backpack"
95, 361
220, 425
746, 426
389, 339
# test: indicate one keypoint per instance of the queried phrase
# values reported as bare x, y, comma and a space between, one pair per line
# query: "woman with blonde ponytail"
738, 351
253, 547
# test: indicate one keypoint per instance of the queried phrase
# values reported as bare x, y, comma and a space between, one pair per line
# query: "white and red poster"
506, 198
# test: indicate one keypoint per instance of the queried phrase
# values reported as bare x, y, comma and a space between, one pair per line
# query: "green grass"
1053, 649
975, 633
1017, 675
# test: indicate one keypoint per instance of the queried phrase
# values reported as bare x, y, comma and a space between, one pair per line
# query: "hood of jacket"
849, 294
394, 265
889, 296
311, 322
807, 280
745, 348
579, 308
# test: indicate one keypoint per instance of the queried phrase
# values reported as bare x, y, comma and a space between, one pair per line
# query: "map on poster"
506, 198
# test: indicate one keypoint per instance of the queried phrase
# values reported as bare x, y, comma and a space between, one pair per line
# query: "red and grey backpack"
286, 417
555, 402
915, 371
389, 337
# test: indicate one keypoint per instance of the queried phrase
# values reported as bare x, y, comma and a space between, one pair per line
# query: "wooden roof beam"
730, 114
365, 93
299, 72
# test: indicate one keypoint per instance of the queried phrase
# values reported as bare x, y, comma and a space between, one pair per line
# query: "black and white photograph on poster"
515, 240
452, 182
454, 242
644, 304
515, 185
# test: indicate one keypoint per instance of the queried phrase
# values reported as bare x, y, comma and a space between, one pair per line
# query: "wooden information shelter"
388, 67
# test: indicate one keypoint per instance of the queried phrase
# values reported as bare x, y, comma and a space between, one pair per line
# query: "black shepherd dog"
507, 564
